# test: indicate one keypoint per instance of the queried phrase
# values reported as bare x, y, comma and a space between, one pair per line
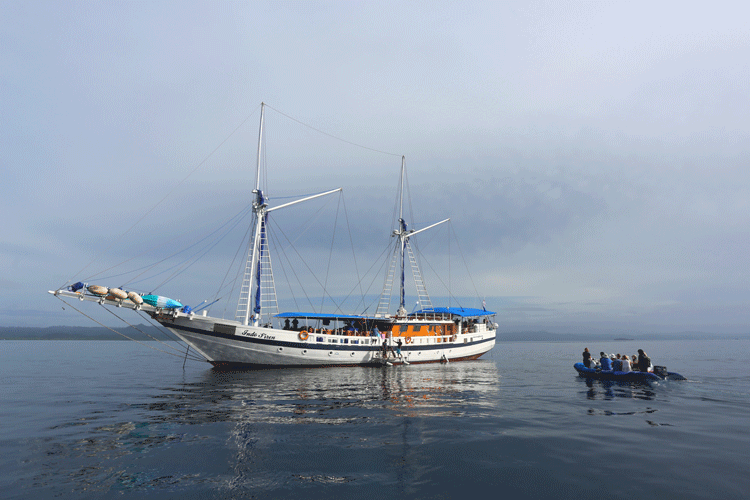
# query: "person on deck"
398, 349
385, 349
634, 363
605, 362
375, 331
643, 361
586, 358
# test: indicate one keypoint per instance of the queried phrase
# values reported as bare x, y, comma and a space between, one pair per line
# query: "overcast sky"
593, 156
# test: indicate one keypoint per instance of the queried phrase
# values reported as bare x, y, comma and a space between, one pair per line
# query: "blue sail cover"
403, 244
260, 258
464, 312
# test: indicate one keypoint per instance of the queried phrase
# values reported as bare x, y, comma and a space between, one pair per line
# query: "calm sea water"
118, 420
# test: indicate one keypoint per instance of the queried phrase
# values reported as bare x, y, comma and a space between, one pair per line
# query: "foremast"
258, 276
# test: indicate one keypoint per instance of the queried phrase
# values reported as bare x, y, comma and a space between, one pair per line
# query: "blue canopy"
464, 312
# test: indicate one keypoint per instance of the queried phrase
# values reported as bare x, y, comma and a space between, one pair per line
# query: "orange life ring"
303, 335
408, 340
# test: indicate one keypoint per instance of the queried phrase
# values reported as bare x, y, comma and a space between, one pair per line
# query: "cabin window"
417, 328
355, 341
319, 339
345, 341
403, 328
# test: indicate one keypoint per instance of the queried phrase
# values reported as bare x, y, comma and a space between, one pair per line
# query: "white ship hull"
228, 344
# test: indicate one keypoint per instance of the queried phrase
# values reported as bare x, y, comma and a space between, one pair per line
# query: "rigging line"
174, 188
282, 253
463, 258
290, 244
375, 275
169, 336
330, 253
425, 260
199, 255
291, 267
332, 136
360, 279
233, 283
351, 242
408, 196
234, 259
115, 331
308, 223
237, 221
450, 294
241, 270
338, 306
240, 214
263, 160
392, 261
144, 333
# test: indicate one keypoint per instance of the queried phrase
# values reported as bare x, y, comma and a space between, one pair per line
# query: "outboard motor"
661, 371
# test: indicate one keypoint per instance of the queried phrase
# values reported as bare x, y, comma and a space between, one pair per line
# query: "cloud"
592, 157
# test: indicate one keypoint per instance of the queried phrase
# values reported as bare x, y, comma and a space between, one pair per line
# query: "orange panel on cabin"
415, 330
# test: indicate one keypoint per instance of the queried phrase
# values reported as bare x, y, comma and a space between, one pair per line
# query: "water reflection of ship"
348, 408
312, 395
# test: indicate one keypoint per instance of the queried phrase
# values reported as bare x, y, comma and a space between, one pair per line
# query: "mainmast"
260, 209
258, 264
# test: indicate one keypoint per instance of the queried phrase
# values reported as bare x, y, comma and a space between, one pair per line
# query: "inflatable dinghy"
659, 373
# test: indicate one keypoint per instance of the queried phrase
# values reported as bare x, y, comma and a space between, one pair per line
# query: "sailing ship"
262, 337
